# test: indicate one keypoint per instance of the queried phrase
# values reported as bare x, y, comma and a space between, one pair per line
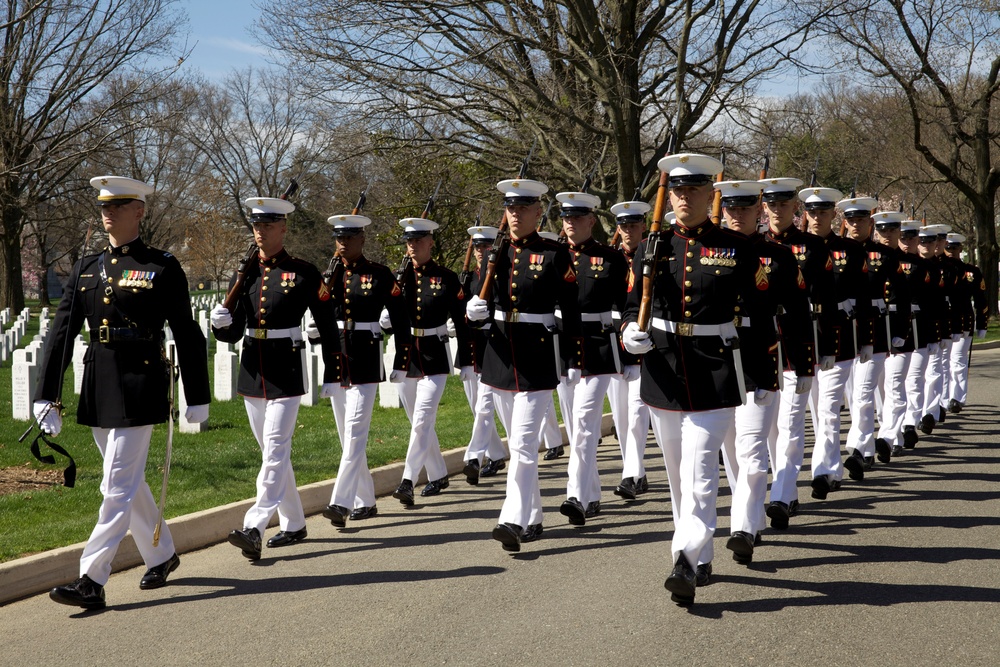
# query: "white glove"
48, 417
865, 353
898, 342
196, 414
803, 384
467, 373
397, 376
477, 309
981, 333
328, 389
384, 321
572, 376
955, 337
221, 318
932, 348
312, 331
763, 397
630, 372
827, 362
451, 328
635, 340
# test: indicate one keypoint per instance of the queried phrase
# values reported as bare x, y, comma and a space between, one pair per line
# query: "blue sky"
220, 35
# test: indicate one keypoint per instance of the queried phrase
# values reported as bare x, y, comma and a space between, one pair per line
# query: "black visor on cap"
519, 201
488, 242
345, 232
685, 180
857, 213
780, 195
415, 234
909, 233
820, 205
954, 243
626, 219
119, 202
888, 225
574, 211
942, 236
267, 217
741, 201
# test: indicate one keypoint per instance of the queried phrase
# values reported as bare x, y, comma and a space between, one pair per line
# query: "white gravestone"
227, 370
23, 381
388, 396
180, 403
309, 377
79, 352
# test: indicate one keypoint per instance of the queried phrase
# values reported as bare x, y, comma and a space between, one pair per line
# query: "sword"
171, 369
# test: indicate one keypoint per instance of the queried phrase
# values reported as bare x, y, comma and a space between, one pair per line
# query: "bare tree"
56, 55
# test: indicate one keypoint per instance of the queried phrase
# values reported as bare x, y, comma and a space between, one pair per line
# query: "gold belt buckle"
418, 332
104, 333
513, 316
260, 334
685, 329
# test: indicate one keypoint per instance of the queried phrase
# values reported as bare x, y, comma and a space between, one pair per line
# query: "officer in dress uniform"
125, 293
765, 358
951, 324
361, 289
692, 378
432, 294
929, 249
533, 276
898, 305
885, 285
630, 414
971, 305
786, 443
852, 338
484, 457
268, 314
601, 276
552, 436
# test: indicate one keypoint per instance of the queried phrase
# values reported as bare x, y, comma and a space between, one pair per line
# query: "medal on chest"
799, 251
875, 258
288, 280
839, 257
766, 263
366, 281
718, 257
436, 282
597, 263
535, 261
131, 278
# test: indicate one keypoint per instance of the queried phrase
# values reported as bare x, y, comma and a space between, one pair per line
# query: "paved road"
902, 569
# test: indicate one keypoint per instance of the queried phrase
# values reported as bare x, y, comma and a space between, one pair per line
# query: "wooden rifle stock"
717, 197
649, 261
236, 291
499, 247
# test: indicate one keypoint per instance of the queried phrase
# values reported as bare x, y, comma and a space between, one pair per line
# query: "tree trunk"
43, 289
11, 280
987, 251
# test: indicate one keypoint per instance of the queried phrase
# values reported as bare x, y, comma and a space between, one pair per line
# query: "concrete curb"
30, 575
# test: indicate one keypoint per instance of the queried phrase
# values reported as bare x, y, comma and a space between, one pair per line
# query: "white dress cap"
577, 203
268, 207
956, 239
690, 169
816, 198
118, 187
853, 206
739, 193
521, 190
483, 233
414, 228
630, 211
889, 217
348, 224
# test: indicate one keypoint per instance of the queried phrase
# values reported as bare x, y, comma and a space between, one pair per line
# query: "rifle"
763, 174
650, 259
464, 276
236, 291
812, 179
717, 198
407, 261
635, 197
336, 261
503, 236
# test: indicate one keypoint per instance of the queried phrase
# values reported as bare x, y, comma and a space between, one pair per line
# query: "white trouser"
633, 438
744, 452
273, 423
916, 386
484, 438
584, 482
866, 377
934, 380
521, 414
551, 434
825, 399
565, 393
420, 398
786, 443
618, 400
894, 398
352, 411
690, 442
946, 347
127, 504
959, 367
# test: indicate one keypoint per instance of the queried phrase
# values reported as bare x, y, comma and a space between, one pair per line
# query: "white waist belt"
914, 308
604, 318
742, 321
269, 334
616, 315
548, 319
726, 329
880, 304
433, 331
374, 327
846, 306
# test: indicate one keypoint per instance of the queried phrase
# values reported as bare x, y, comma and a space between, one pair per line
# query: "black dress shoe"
248, 540
910, 437
531, 533
703, 574
855, 464
869, 463
491, 467
820, 487
883, 450
954, 407
84, 592
553, 453
471, 471
777, 511
835, 485
626, 489
508, 535
156, 577
793, 508
641, 486
897, 450
927, 424
435, 487
681, 582
285, 537
942, 413
573, 510
337, 514
593, 509
757, 539
741, 544
362, 513
404, 493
